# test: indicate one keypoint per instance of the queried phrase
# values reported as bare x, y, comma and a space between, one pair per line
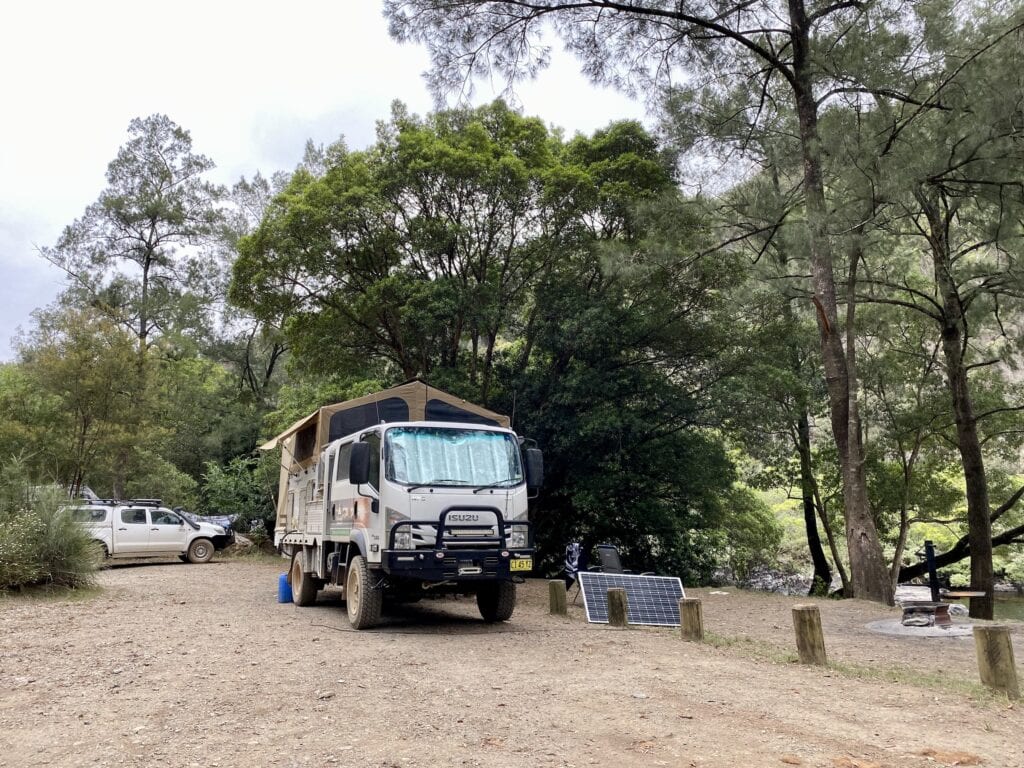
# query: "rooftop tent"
413, 401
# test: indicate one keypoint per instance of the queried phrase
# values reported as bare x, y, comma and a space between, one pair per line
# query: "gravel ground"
198, 665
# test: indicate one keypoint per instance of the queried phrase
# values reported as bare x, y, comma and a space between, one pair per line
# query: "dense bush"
245, 489
39, 542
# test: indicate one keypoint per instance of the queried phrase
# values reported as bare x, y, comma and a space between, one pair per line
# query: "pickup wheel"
303, 584
362, 599
99, 552
496, 601
200, 551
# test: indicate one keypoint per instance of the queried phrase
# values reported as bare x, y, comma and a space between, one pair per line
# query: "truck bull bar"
476, 557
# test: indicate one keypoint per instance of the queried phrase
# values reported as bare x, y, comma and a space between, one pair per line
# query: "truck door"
167, 533
131, 531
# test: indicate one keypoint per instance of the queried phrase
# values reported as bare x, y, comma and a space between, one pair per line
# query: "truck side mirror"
359, 464
534, 468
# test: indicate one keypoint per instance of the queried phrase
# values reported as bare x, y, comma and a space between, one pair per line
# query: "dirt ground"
198, 665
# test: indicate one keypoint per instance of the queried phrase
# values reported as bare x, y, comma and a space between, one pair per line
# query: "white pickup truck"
142, 528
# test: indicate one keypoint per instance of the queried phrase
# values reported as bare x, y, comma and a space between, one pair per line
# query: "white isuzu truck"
405, 493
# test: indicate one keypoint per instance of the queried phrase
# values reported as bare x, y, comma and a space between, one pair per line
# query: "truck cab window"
344, 455
373, 438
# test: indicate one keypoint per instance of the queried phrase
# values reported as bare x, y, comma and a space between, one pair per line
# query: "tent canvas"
414, 400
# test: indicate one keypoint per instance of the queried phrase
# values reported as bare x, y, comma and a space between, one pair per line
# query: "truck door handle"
122, 529
154, 529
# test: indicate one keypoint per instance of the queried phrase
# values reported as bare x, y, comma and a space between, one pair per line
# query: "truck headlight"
517, 537
403, 539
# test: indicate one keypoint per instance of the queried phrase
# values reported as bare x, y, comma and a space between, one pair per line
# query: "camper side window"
318, 483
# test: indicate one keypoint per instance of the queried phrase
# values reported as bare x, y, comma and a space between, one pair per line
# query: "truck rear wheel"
362, 599
303, 584
200, 551
496, 601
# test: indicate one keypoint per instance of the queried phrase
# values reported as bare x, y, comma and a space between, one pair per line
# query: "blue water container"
284, 589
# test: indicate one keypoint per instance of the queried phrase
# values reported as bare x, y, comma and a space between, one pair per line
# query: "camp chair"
608, 555
611, 562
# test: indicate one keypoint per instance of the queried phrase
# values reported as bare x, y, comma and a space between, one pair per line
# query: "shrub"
19, 532
243, 489
39, 542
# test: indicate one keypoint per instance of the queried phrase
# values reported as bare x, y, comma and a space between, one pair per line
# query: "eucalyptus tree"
132, 253
809, 54
942, 170
252, 347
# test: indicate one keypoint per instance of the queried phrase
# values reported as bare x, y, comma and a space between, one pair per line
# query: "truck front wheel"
303, 584
362, 599
496, 601
200, 551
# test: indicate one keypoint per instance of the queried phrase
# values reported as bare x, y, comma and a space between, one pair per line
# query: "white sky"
251, 81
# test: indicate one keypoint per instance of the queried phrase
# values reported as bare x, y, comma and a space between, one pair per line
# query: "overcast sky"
251, 81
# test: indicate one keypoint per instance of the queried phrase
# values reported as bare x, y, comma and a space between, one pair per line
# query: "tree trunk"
485, 386
831, 539
822, 572
868, 572
979, 524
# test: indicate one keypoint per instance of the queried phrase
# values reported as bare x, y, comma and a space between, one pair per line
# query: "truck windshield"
455, 457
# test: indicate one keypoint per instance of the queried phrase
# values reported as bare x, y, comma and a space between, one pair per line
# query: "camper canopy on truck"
403, 493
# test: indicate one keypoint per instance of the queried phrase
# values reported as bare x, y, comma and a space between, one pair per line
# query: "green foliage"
305, 393
752, 534
556, 279
131, 251
82, 366
39, 542
20, 564
244, 487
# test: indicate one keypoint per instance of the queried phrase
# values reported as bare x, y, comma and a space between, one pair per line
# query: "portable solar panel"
649, 599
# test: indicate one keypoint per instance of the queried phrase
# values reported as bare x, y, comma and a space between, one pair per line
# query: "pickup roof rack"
122, 502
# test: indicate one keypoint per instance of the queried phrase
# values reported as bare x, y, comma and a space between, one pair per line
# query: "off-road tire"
363, 599
99, 551
200, 551
496, 601
303, 584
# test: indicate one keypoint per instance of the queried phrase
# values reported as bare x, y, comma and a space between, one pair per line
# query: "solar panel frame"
650, 600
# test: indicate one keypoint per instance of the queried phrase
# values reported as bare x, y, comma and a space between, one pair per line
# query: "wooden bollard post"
617, 608
995, 659
810, 642
691, 619
556, 597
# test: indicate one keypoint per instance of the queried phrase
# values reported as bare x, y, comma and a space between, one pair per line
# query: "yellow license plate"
521, 564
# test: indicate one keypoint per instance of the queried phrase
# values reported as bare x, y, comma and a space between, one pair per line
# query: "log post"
995, 659
810, 642
556, 597
617, 608
691, 619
